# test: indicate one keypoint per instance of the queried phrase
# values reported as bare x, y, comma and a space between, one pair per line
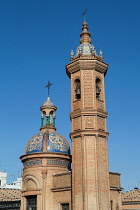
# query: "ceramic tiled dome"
55, 143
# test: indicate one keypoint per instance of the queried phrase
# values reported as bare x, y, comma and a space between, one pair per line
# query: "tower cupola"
48, 115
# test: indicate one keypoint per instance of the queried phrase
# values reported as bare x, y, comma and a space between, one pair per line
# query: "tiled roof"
132, 195
9, 194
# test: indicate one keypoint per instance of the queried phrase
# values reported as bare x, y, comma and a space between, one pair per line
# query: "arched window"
77, 89
98, 89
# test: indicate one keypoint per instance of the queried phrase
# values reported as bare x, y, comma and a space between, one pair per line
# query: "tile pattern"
35, 144
32, 162
57, 143
58, 162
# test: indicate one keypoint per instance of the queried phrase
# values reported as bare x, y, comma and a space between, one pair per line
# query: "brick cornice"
45, 155
88, 132
88, 112
86, 64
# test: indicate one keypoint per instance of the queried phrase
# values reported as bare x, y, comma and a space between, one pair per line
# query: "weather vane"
48, 86
84, 14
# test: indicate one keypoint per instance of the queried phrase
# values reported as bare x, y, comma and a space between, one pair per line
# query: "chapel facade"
48, 180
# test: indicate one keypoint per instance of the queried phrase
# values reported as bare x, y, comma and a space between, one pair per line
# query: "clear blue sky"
36, 37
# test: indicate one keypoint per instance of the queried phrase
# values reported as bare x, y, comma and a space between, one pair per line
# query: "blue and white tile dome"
55, 143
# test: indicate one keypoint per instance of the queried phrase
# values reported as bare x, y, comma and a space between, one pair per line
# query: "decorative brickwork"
76, 123
76, 105
101, 123
100, 104
89, 122
90, 176
88, 89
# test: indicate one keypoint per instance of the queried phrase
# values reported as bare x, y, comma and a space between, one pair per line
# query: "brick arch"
30, 182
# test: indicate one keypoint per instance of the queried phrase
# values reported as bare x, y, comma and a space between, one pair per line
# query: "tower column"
90, 174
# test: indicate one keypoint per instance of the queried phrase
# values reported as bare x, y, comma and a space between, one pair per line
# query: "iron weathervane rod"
84, 14
48, 86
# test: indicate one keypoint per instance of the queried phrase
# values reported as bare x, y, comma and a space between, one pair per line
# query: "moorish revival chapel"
49, 181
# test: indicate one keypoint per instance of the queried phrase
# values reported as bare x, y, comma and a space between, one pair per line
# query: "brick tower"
90, 174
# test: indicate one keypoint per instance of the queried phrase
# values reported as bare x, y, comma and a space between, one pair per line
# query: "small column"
42, 120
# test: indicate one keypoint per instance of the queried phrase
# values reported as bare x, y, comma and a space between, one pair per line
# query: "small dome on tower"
48, 102
48, 115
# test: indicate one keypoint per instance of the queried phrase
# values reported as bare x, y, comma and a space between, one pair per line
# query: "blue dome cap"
55, 143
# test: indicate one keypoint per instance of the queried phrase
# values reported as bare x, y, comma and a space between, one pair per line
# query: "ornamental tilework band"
32, 162
58, 162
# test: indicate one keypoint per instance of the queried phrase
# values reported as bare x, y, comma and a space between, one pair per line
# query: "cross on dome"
48, 86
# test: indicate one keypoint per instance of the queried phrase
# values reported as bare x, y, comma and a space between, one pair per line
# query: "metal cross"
84, 14
48, 86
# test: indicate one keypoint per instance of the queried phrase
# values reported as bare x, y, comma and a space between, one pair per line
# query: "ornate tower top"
85, 48
85, 35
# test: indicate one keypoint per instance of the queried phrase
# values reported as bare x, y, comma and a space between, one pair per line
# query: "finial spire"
48, 86
85, 35
84, 14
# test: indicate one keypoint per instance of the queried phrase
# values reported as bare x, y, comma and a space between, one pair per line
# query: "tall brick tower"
90, 174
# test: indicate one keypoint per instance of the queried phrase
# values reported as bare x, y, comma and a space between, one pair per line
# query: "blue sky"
36, 39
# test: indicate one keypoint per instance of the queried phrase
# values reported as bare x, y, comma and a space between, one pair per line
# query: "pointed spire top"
85, 47
85, 35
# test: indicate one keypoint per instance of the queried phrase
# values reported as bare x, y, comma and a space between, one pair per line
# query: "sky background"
36, 37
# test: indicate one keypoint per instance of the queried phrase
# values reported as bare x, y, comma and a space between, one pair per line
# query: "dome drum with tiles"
47, 144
